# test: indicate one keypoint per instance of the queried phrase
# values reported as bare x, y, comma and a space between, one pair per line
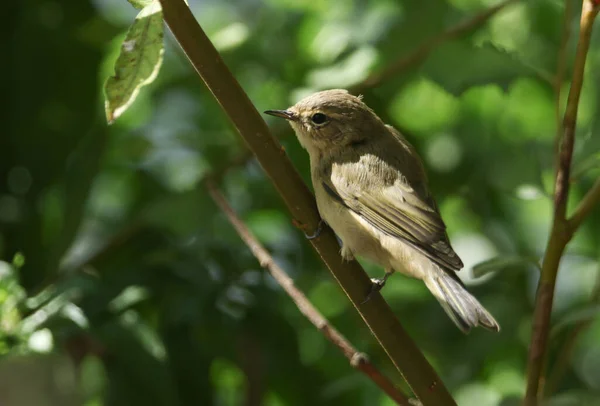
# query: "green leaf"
583, 314
573, 398
138, 63
82, 168
129, 297
459, 65
135, 364
328, 298
349, 71
500, 263
423, 106
529, 112
269, 226
586, 165
18, 260
92, 378
140, 4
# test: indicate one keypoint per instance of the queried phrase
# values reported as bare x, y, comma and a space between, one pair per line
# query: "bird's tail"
464, 310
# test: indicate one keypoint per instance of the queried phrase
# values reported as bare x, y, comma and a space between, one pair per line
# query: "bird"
371, 189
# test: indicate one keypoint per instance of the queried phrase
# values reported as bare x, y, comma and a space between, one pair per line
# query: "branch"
561, 67
357, 360
354, 281
589, 201
588, 14
423, 50
562, 229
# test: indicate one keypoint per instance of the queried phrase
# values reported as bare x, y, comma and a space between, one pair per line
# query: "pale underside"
361, 238
394, 223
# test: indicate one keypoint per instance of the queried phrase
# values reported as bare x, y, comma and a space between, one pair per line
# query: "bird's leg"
378, 284
317, 232
346, 253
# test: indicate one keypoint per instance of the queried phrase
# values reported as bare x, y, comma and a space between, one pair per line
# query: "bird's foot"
377, 285
317, 232
346, 253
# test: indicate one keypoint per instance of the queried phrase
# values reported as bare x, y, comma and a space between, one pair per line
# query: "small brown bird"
371, 188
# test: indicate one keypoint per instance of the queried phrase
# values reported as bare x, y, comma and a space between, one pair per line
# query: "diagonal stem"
377, 314
356, 359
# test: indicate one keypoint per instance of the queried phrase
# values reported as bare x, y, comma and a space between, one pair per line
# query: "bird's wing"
396, 207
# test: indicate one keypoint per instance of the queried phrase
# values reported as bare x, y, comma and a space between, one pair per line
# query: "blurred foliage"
122, 284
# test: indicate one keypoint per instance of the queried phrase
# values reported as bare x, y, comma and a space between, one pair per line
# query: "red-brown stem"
376, 313
561, 67
562, 229
356, 359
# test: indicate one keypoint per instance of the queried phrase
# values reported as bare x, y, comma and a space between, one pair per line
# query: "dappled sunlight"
124, 280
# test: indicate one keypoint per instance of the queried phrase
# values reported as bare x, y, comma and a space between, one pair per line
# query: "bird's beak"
288, 115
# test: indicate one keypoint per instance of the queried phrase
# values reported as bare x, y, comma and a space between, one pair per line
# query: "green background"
123, 284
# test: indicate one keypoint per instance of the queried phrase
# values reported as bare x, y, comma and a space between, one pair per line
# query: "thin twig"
356, 359
561, 67
423, 50
376, 313
588, 15
589, 201
562, 230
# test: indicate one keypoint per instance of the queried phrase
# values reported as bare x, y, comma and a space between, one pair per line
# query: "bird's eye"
319, 118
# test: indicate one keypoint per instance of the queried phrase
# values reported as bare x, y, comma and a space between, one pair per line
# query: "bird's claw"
317, 232
376, 286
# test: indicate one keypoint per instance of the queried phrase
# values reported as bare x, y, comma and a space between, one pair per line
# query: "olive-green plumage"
371, 188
